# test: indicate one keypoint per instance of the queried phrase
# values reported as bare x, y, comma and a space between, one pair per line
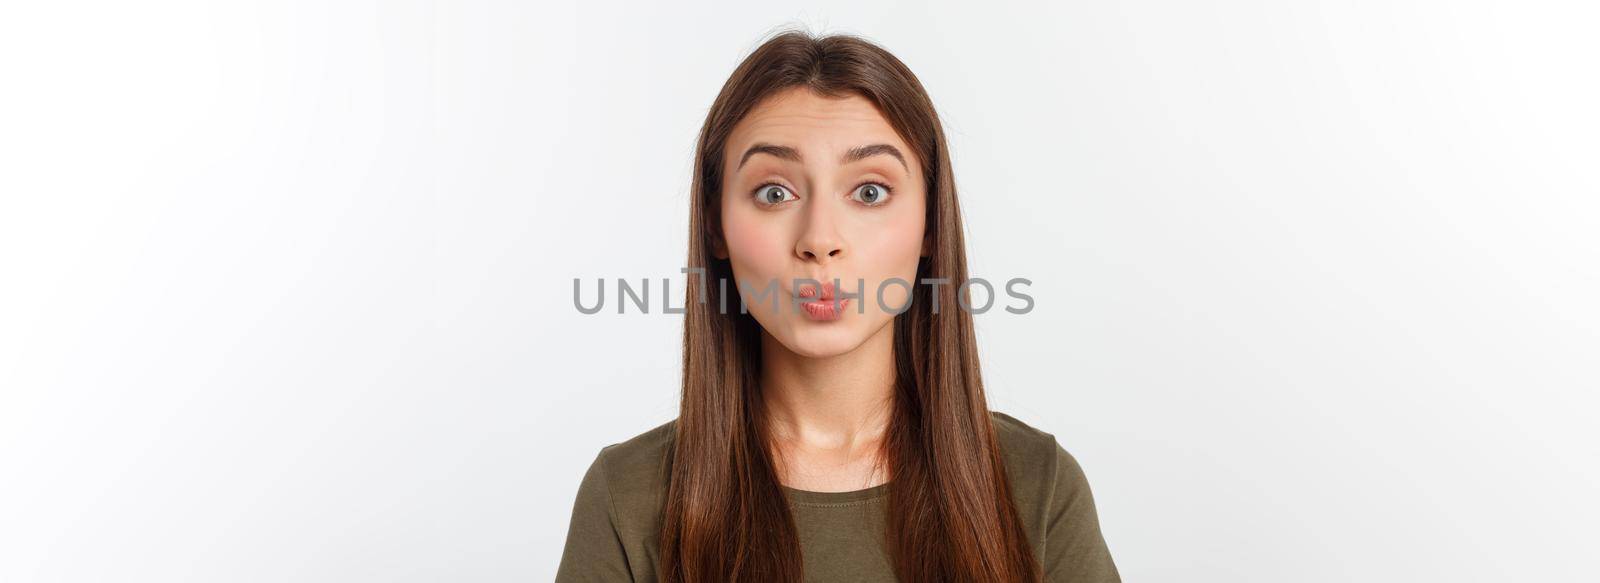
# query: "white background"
285, 287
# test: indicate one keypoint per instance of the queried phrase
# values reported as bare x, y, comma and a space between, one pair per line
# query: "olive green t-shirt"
616, 517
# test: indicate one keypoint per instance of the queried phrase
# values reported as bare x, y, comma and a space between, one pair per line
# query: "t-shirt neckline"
812, 497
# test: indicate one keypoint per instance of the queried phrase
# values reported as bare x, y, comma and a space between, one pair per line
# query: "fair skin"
823, 188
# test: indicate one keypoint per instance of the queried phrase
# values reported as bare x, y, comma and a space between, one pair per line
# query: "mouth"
819, 304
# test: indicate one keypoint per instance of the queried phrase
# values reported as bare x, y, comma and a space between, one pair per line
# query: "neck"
840, 403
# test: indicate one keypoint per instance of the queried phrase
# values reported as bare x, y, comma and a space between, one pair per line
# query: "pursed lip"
825, 309
809, 291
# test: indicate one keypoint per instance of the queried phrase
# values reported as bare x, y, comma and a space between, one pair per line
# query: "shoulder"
1028, 445
639, 453
1036, 452
634, 474
1021, 440
1055, 502
1042, 474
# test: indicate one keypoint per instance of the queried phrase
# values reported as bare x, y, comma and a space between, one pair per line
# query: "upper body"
825, 234
616, 517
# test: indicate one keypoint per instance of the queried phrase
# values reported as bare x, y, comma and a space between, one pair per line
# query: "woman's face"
820, 188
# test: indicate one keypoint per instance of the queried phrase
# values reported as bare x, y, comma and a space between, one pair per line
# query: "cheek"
755, 245
895, 247
896, 244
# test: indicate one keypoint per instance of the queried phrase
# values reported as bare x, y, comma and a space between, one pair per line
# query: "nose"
819, 239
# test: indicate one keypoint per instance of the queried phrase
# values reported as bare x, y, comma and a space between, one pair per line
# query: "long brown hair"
950, 512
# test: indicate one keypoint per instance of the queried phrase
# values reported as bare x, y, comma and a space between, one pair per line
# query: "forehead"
802, 119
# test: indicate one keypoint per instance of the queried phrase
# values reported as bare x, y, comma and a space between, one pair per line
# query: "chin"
824, 341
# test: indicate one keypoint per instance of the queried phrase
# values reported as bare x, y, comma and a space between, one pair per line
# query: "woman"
838, 431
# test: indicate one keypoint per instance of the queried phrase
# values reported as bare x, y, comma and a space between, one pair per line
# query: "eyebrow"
855, 154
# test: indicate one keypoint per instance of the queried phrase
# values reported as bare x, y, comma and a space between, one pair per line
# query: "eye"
871, 194
771, 194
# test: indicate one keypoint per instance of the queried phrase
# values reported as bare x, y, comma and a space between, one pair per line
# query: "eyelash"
888, 192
